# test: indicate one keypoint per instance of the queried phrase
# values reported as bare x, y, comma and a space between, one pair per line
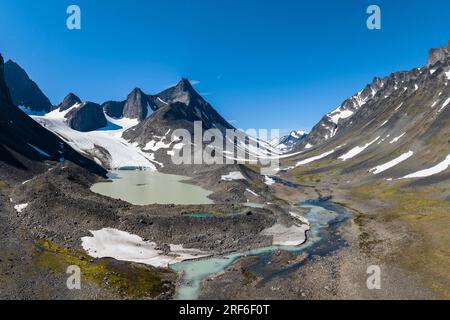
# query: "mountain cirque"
382, 154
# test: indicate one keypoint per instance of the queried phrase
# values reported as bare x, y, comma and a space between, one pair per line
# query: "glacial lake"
144, 187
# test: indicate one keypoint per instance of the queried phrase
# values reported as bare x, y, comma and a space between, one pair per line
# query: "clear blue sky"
262, 63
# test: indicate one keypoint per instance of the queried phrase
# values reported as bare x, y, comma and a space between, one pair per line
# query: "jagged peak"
135, 92
438, 54
12, 63
185, 85
183, 92
69, 101
72, 96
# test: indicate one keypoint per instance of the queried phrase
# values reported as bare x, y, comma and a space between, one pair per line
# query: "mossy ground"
427, 212
130, 281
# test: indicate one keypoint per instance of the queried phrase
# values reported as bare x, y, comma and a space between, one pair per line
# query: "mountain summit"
438, 55
25, 92
69, 101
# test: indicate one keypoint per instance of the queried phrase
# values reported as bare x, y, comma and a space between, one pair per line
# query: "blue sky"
262, 64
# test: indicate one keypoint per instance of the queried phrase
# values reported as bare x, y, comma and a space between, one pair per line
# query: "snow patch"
123, 246
312, 159
20, 207
268, 180
340, 114
397, 138
357, 150
235, 175
289, 236
252, 192
162, 101
392, 163
431, 171
444, 105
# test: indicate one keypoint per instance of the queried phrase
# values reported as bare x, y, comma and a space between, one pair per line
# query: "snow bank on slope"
444, 105
268, 180
431, 171
397, 138
392, 163
312, 159
121, 245
20, 207
357, 150
252, 192
122, 153
235, 175
339, 114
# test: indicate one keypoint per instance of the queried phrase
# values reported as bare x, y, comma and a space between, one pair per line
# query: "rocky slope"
394, 128
179, 107
24, 91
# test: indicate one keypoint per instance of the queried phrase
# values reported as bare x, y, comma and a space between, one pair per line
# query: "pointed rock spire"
438, 54
4, 91
69, 101
138, 105
183, 92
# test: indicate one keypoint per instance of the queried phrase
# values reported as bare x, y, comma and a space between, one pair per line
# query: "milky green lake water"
141, 187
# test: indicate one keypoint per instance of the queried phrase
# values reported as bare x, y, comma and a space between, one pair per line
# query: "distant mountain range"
289, 142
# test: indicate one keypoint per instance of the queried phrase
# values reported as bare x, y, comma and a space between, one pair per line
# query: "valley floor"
341, 274
402, 231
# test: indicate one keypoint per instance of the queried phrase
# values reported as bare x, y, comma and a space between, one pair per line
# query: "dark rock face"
87, 117
69, 101
138, 105
179, 107
24, 143
5, 95
24, 91
114, 109
183, 92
